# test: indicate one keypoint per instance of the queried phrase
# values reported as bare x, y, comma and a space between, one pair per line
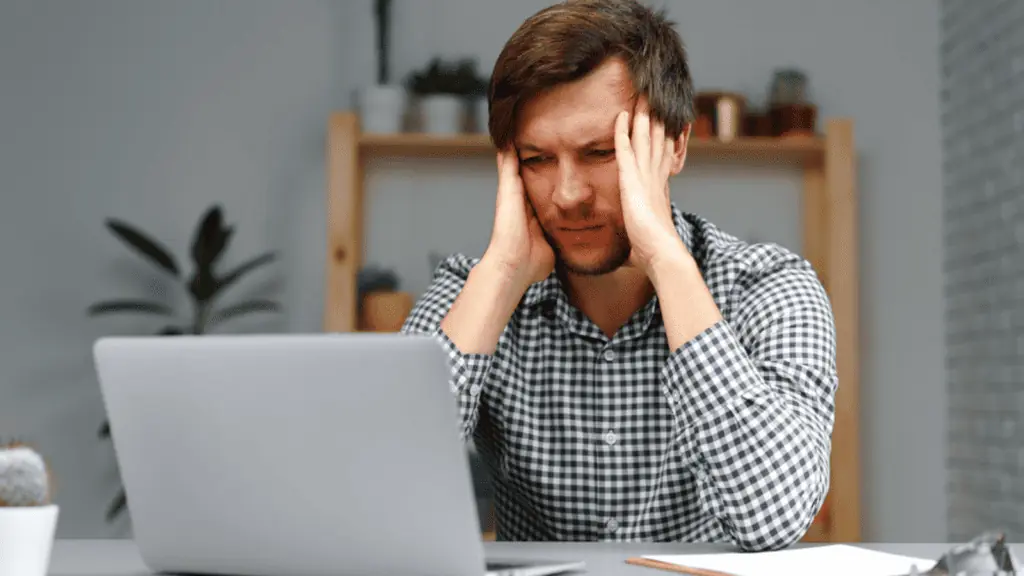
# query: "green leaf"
104, 431
210, 238
144, 244
244, 308
138, 306
203, 285
243, 269
118, 505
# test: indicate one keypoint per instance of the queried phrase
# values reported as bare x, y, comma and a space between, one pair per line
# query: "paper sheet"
831, 559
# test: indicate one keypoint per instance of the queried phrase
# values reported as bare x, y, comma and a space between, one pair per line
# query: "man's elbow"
772, 536
779, 527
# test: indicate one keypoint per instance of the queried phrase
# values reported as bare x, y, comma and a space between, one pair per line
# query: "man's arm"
467, 309
755, 398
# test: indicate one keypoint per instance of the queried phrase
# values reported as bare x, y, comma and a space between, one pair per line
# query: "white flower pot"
26, 539
442, 114
382, 108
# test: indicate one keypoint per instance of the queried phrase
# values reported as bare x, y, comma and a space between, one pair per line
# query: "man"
630, 371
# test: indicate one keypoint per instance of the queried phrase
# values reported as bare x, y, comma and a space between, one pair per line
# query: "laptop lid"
307, 455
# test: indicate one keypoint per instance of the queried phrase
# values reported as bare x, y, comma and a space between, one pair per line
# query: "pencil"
675, 567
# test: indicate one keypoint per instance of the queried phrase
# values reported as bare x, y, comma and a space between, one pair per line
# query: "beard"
613, 255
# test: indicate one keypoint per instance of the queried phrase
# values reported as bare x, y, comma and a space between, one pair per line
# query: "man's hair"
567, 41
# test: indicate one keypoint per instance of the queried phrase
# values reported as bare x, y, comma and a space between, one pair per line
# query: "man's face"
566, 145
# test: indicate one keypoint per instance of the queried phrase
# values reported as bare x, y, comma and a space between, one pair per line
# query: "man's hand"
517, 247
517, 257
645, 164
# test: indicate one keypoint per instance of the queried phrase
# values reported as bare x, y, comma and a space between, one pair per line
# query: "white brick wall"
982, 56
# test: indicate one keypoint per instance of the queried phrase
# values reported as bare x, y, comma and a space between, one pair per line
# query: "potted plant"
28, 517
790, 109
382, 306
382, 105
444, 91
204, 287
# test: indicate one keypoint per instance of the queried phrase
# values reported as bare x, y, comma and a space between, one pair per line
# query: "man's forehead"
579, 129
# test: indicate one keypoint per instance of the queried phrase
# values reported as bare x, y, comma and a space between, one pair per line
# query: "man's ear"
679, 156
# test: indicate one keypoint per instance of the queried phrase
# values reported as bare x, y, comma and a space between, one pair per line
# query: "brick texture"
982, 103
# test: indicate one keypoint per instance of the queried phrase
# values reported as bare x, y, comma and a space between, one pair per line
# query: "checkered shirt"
725, 439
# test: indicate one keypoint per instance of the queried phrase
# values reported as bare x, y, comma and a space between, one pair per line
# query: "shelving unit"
830, 240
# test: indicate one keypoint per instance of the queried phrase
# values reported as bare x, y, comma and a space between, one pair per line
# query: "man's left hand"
645, 164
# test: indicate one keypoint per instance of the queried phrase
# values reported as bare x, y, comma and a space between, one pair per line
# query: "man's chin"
592, 266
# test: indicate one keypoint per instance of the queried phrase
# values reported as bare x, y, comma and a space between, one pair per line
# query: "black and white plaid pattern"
726, 439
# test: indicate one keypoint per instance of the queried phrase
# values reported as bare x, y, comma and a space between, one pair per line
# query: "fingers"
646, 153
508, 170
665, 169
642, 137
658, 144
623, 147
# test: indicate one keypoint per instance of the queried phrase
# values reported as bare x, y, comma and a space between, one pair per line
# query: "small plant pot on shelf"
384, 311
442, 114
444, 91
797, 119
26, 539
382, 108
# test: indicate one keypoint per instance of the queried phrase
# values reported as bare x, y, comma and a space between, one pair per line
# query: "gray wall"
982, 123
147, 111
151, 110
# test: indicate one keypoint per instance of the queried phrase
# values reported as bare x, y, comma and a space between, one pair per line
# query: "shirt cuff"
708, 375
469, 371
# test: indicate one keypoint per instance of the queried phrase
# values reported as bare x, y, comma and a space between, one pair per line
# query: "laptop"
306, 455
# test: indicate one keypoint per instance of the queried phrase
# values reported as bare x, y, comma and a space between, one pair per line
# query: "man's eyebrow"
593, 143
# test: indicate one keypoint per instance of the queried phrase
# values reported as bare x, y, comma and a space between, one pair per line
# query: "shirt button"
474, 389
612, 524
609, 355
610, 437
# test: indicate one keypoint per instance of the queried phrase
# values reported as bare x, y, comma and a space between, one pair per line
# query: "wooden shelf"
830, 243
790, 151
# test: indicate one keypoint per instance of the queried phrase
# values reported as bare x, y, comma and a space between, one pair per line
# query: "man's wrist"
510, 281
673, 265
482, 309
686, 304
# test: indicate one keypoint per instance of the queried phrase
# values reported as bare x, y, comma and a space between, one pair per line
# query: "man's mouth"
581, 228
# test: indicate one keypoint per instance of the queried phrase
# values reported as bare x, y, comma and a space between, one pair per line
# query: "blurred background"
151, 112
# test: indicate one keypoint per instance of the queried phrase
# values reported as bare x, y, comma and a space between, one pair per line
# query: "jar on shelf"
724, 111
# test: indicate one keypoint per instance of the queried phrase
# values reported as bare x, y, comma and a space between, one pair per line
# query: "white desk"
120, 558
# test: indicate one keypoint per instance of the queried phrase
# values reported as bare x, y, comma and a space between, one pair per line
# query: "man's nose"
572, 192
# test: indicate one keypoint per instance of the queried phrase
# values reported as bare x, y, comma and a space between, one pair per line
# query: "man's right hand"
517, 246
517, 257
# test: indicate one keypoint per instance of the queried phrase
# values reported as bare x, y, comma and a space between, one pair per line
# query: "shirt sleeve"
468, 371
755, 403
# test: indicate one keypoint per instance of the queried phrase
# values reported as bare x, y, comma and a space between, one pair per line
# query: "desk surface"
120, 557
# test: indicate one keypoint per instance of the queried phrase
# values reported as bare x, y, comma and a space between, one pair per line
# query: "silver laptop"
306, 455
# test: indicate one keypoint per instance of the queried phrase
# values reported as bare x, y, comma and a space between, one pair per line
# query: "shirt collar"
550, 290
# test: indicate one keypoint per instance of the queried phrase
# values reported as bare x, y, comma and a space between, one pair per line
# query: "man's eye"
530, 160
602, 153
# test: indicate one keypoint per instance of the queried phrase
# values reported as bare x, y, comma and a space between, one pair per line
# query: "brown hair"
567, 41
